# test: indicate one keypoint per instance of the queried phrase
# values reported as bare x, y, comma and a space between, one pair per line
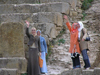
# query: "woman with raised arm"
74, 44
34, 51
43, 70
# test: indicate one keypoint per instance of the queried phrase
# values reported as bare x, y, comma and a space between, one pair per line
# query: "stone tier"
40, 17
34, 8
14, 63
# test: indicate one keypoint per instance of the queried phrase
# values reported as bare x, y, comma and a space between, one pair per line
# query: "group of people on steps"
38, 47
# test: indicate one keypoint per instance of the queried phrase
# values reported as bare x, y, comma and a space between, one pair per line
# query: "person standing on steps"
43, 52
34, 51
83, 44
74, 44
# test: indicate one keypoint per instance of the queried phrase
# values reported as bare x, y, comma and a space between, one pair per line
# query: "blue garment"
44, 68
85, 58
43, 44
43, 54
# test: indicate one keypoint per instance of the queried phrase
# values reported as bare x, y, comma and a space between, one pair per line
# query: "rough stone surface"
11, 40
42, 17
16, 1
97, 71
16, 62
34, 8
72, 2
87, 72
4, 71
68, 72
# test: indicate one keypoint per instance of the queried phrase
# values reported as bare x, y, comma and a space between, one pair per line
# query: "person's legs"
76, 62
85, 58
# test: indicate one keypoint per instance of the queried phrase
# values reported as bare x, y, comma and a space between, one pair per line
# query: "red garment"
73, 38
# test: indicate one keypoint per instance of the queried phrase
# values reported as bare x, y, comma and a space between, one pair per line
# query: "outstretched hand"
27, 23
65, 17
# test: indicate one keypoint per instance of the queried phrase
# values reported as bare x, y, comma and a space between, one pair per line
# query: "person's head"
33, 30
74, 26
80, 25
38, 32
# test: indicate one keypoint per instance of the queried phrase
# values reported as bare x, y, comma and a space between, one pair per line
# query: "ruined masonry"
46, 15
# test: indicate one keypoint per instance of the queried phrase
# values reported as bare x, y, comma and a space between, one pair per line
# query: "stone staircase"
60, 53
46, 15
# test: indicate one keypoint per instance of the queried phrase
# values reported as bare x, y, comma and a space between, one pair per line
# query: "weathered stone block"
74, 13
72, 2
49, 17
34, 8
68, 72
77, 71
58, 19
16, 17
16, 1
87, 72
16, 62
4, 71
11, 40
47, 1
60, 7
41, 17
97, 71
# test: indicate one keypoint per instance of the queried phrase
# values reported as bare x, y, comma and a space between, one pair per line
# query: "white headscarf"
79, 29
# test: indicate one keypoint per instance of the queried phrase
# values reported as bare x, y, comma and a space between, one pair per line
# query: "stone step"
18, 1
72, 72
35, 1
5, 71
87, 72
34, 8
71, 2
95, 71
16, 62
41, 17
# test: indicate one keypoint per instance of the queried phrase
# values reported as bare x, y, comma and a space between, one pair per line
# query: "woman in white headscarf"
83, 44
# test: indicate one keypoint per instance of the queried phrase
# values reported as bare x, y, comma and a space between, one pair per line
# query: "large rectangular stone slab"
4, 71
34, 8
41, 17
19, 63
11, 40
67, 72
77, 71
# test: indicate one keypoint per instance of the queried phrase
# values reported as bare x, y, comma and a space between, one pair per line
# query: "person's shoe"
87, 68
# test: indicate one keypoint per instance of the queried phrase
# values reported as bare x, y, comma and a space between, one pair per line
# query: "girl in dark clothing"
34, 50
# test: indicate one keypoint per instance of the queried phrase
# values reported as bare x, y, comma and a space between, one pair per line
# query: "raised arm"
67, 23
27, 29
